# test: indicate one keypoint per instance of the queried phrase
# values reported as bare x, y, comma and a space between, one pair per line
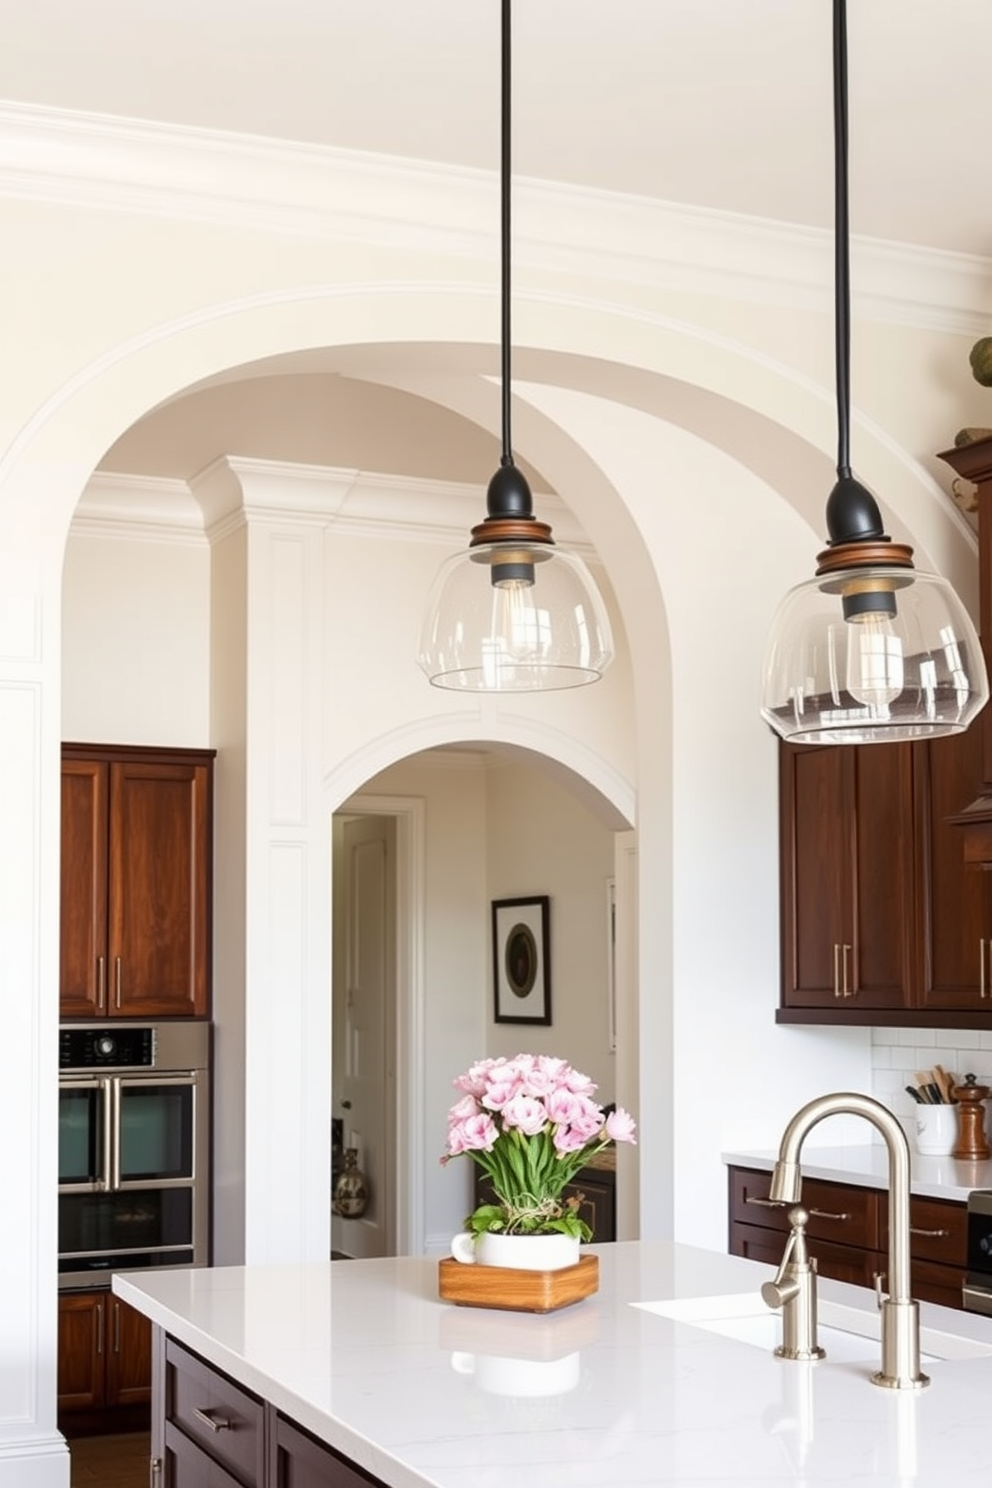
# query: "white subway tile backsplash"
961, 1038
898, 1053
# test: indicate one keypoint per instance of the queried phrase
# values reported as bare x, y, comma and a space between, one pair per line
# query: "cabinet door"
187, 1466
956, 947
847, 875
81, 1349
301, 1462
128, 1353
159, 889
83, 911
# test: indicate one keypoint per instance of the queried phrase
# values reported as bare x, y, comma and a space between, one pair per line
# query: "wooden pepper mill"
972, 1143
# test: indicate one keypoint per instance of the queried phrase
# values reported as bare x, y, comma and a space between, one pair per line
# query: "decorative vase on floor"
351, 1192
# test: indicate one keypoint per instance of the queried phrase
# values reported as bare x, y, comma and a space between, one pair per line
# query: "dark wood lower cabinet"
104, 1364
208, 1431
848, 1233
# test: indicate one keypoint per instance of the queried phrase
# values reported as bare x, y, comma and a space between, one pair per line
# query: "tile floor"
109, 1461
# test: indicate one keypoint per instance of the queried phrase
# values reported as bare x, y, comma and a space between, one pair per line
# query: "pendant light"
512, 613
871, 649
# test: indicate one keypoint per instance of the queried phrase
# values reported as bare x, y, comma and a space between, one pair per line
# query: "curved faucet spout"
900, 1314
787, 1178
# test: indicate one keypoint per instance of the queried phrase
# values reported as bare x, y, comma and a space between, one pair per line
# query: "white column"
32, 1453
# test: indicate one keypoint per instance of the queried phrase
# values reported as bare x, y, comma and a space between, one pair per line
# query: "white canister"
936, 1130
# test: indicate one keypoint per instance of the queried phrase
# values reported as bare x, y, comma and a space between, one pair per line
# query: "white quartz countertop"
602, 1394
867, 1165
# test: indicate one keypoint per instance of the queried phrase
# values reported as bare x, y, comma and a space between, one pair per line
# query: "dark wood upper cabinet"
956, 921
883, 920
136, 873
847, 876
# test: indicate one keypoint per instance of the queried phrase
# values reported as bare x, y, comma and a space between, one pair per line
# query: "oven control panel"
128, 1047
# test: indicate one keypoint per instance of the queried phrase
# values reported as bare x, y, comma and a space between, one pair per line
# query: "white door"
364, 1027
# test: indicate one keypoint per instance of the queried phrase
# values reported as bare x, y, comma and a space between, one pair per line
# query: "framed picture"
521, 959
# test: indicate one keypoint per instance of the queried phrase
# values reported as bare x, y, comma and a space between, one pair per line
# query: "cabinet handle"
101, 982
844, 951
117, 981
99, 1328
930, 1234
117, 1327
836, 970
215, 1423
981, 969
767, 1203
824, 1214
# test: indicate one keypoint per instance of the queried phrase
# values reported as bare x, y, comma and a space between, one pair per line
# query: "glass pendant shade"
517, 617
872, 654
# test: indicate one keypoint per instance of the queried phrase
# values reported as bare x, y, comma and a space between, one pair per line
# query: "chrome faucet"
900, 1314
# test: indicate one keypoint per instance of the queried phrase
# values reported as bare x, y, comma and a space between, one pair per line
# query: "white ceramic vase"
516, 1252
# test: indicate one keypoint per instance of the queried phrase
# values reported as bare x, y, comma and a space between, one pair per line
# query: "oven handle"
113, 1130
104, 1177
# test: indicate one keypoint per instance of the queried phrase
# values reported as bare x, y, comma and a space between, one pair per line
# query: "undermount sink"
848, 1334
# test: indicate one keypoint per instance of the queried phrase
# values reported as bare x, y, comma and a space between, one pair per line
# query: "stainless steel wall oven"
134, 1147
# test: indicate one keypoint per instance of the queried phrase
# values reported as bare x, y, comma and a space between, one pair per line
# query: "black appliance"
134, 1148
977, 1292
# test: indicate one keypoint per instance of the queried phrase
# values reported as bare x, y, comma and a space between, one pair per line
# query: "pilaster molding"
278, 187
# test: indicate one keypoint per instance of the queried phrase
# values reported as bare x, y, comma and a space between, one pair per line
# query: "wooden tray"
520, 1291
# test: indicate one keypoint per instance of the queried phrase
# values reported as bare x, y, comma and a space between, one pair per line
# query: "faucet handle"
784, 1286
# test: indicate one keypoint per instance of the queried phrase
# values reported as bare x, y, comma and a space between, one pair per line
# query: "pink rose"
620, 1126
579, 1083
568, 1139
463, 1109
474, 1134
525, 1113
562, 1106
499, 1092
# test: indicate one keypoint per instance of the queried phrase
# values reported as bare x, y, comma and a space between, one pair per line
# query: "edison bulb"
875, 669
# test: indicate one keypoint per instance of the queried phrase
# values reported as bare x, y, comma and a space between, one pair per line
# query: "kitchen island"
364, 1357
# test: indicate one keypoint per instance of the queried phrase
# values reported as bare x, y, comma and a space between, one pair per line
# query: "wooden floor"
109, 1461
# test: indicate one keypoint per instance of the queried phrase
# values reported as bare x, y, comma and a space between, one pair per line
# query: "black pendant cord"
853, 514
507, 452
842, 252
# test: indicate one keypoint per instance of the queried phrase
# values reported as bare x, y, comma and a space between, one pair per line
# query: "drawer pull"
930, 1234
824, 1214
217, 1423
768, 1203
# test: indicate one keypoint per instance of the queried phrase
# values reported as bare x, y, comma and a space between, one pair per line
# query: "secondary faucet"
900, 1314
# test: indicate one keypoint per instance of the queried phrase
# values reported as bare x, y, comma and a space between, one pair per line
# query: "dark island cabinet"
135, 882
208, 1431
882, 919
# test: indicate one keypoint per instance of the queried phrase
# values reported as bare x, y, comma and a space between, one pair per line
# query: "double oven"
134, 1148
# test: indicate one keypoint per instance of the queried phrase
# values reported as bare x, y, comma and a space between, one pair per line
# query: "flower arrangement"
530, 1123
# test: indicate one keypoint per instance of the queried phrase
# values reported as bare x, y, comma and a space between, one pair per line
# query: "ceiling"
719, 104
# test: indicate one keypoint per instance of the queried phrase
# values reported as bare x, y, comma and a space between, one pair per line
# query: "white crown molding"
234, 489
139, 508
272, 186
